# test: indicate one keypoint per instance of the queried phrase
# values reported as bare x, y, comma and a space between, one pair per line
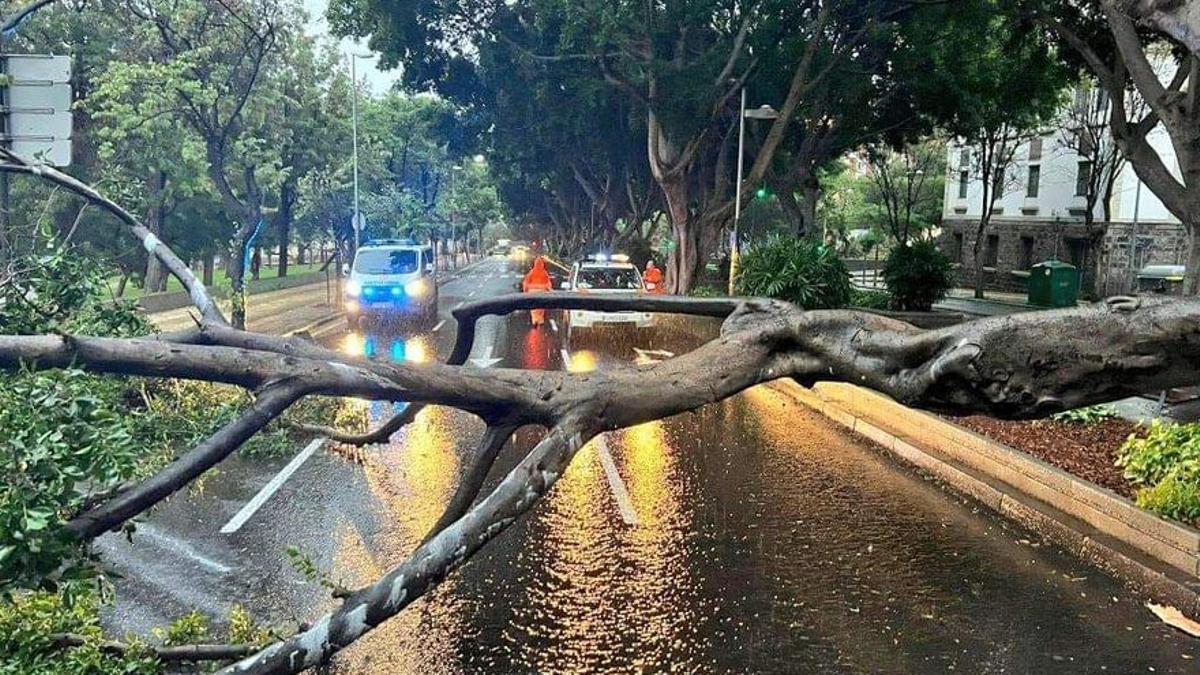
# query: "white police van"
604, 274
391, 279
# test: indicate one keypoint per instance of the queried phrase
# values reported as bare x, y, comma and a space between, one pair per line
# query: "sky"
379, 80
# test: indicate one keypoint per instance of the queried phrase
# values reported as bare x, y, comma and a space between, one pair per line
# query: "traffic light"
762, 192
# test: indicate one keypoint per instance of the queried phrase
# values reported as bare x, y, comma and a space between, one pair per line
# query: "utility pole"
734, 248
764, 112
5, 244
357, 222
1133, 236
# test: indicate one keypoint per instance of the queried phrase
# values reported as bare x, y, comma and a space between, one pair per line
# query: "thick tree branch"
14, 21
468, 314
430, 563
1017, 366
112, 513
153, 245
380, 434
471, 482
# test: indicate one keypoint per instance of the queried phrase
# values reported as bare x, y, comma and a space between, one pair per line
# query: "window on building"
964, 157
991, 252
956, 252
1035, 149
1077, 252
1026, 253
1083, 177
963, 180
1035, 177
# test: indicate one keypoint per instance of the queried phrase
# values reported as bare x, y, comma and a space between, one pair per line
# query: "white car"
607, 275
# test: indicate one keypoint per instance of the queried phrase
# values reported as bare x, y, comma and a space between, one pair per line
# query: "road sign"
37, 107
358, 222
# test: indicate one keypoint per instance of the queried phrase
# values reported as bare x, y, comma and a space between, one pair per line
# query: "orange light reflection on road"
582, 362
352, 344
648, 463
536, 349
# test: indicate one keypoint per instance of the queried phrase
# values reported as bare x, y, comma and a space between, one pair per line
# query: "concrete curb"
1159, 557
317, 328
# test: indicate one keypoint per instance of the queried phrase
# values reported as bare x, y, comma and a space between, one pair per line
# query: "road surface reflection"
761, 540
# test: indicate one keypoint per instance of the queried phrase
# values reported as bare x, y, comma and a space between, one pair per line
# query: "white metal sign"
38, 107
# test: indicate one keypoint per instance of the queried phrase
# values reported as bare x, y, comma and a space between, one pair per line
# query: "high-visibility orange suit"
653, 278
538, 280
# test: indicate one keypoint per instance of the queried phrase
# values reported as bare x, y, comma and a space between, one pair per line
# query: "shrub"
800, 271
706, 291
870, 299
1092, 414
917, 276
1166, 461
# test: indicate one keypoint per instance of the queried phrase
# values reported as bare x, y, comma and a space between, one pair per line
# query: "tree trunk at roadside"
156, 275
1191, 278
208, 269
283, 223
976, 251
123, 282
684, 262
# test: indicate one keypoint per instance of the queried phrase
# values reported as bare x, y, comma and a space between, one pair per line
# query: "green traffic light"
761, 193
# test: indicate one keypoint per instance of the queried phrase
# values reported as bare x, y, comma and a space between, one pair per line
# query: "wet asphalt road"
750, 536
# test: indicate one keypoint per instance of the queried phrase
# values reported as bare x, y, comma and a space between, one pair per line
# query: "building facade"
1040, 215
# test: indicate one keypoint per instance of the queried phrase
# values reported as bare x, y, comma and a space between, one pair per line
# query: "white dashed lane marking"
615, 484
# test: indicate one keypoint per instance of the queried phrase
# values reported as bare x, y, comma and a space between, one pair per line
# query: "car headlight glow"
416, 288
353, 287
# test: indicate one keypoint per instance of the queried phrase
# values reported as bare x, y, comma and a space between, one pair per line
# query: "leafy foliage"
917, 276
57, 290
28, 621
706, 291
801, 271
1167, 462
870, 299
71, 434
1092, 414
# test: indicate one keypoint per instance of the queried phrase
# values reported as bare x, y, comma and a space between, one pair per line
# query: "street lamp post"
357, 221
764, 112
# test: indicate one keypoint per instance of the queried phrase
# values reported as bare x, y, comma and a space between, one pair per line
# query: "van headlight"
416, 288
353, 287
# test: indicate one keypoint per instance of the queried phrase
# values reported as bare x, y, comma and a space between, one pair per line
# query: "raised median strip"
1160, 557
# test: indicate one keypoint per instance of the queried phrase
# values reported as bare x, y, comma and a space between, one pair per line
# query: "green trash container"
1053, 283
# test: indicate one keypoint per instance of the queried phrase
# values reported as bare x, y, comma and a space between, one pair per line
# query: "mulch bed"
1087, 451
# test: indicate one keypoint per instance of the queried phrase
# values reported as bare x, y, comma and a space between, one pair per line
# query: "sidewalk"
963, 300
273, 312
287, 310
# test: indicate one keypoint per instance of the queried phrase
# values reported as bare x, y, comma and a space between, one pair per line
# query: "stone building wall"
1019, 243
1158, 244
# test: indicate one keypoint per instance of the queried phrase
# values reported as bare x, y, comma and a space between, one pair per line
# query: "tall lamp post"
356, 223
764, 112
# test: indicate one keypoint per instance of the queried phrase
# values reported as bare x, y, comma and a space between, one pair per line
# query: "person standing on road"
653, 278
537, 281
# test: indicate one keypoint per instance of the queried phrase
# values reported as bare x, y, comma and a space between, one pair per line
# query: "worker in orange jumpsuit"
653, 278
538, 280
